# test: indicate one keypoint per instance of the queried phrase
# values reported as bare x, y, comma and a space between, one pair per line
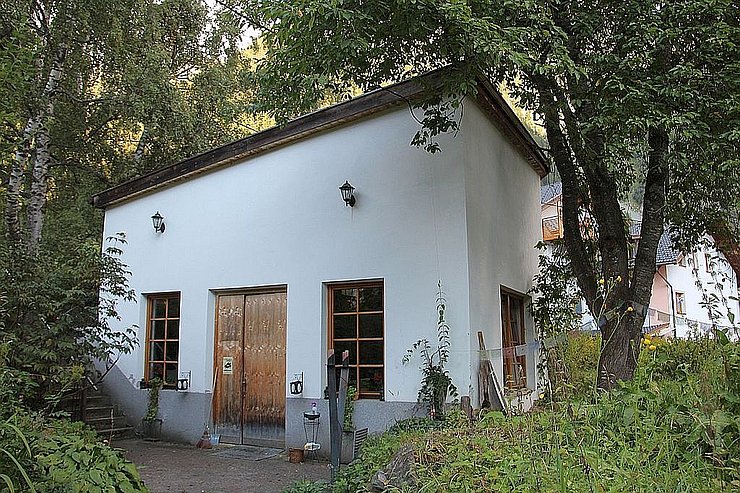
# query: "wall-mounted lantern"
158, 222
348, 194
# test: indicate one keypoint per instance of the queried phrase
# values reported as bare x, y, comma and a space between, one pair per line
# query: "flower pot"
348, 447
295, 455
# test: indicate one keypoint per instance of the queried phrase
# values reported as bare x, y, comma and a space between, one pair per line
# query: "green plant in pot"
348, 427
151, 424
436, 383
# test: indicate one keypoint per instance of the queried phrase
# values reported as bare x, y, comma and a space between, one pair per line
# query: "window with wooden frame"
680, 303
512, 324
356, 324
163, 338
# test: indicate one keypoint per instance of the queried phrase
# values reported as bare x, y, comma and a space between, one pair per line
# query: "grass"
674, 428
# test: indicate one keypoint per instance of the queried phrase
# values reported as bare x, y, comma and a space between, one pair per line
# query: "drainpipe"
673, 308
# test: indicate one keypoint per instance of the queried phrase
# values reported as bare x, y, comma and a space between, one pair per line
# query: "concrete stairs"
97, 410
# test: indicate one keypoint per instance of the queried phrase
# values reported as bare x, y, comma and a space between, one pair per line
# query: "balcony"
552, 228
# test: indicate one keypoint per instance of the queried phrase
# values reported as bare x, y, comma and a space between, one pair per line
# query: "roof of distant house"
666, 253
487, 97
549, 192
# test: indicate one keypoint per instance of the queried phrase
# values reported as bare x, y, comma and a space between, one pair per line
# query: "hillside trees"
93, 92
97, 91
626, 91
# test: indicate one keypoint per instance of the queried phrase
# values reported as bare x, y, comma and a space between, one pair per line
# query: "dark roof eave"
369, 103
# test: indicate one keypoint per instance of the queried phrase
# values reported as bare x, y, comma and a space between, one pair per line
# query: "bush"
674, 428
57, 456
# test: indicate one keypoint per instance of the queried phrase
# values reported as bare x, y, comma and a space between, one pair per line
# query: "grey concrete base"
183, 413
375, 415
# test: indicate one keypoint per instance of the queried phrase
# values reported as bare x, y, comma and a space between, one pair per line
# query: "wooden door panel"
264, 367
228, 391
249, 402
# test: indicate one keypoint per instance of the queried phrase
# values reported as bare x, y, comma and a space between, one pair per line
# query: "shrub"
674, 428
57, 456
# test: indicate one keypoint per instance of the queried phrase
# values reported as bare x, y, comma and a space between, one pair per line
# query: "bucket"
295, 455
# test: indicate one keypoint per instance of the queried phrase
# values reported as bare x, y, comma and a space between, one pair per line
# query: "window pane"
371, 299
371, 325
173, 329
345, 300
173, 310
156, 351
345, 326
156, 370
371, 379
516, 322
172, 351
160, 308
170, 376
157, 329
371, 352
350, 346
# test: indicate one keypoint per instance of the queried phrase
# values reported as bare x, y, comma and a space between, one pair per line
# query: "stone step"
119, 432
93, 412
107, 422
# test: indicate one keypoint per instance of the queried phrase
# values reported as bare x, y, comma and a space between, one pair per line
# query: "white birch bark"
42, 154
19, 165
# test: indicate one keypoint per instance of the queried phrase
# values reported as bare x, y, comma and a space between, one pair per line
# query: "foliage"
554, 294
152, 407
306, 486
572, 364
377, 451
627, 93
12, 470
349, 409
50, 307
436, 383
56, 456
673, 428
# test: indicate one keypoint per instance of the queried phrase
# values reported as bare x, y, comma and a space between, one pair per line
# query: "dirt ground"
178, 468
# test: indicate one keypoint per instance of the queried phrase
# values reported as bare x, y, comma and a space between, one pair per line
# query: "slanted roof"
666, 253
549, 192
488, 98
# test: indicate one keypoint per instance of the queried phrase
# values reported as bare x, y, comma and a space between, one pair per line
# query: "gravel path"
177, 468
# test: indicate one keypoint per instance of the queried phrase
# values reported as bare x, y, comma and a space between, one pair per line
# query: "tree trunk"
729, 246
13, 204
42, 153
622, 323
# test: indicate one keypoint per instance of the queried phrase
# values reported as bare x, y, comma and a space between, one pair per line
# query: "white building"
262, 268
685, 286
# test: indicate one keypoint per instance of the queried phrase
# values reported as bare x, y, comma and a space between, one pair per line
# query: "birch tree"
97, 91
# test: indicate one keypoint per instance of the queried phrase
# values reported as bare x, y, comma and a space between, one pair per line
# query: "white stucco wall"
698, 283
468, 216
279, 219
502, 195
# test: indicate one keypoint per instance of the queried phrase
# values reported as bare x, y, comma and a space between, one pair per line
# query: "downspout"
673, 308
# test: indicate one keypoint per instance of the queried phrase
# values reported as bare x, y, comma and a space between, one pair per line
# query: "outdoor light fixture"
348, 194
158, 222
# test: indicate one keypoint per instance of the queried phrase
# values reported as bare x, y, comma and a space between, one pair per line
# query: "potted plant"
348, 429
151, 425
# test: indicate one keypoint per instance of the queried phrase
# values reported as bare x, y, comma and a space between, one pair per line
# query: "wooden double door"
249, 394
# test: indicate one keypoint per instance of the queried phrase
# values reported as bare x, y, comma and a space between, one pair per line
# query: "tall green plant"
49, 310
436, 382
